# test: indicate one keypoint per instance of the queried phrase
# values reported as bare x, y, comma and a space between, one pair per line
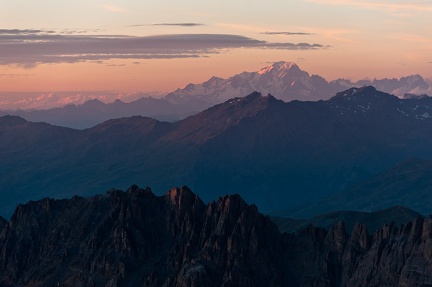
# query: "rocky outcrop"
393, 256
135, 238
3, 222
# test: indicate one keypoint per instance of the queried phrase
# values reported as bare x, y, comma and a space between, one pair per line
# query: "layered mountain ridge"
284, 80
135, 238
276, 154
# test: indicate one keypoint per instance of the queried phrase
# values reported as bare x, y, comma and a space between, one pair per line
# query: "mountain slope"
313, 148
408, 183
276, 154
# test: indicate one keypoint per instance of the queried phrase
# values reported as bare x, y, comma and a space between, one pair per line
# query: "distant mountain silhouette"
136, 238
284, 80
276, 154
372, 220
94, 112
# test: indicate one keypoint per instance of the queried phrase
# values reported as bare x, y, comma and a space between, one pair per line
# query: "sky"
59, 52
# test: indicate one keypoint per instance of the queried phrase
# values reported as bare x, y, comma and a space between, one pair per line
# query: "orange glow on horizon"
130, 76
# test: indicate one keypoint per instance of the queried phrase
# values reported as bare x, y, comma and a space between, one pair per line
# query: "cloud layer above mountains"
32, 47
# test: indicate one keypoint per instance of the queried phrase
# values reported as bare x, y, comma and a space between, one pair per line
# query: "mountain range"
136, 238
276, 154
284, 80
94, 112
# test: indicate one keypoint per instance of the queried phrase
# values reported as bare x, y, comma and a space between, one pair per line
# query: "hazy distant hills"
284, 80
275, 154
94, 112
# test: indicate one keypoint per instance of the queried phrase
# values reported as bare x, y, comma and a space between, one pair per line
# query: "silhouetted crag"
135, 238
394, 256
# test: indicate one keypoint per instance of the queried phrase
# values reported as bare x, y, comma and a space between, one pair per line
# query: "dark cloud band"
23, 32
29, 49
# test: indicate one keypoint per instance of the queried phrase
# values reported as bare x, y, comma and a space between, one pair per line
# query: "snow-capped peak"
278, 66
265, 70
286, 65
286, 81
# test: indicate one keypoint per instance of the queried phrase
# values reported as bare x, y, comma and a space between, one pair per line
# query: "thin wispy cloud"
24, 31
179, 24
80, 31
15, 75
30, 49
286, 33
383, 5
291, 46
169, 24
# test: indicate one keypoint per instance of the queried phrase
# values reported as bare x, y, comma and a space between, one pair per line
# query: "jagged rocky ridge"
135, 238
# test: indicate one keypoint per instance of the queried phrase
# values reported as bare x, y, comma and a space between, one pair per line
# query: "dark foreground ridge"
135, 238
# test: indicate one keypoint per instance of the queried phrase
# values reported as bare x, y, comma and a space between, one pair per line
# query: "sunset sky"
131, 46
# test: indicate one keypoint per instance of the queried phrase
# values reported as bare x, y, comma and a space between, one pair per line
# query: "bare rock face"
393, 256
135, 238
396, 257
3, 222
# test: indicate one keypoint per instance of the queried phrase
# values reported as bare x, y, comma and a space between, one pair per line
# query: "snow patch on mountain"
286, 81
